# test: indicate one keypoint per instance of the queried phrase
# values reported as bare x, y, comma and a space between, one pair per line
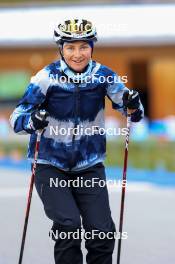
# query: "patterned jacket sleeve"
115, 89
33, 97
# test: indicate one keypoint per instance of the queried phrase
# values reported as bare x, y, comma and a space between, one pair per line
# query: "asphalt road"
149, 222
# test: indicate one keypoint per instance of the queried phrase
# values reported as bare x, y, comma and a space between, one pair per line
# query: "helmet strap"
61, 51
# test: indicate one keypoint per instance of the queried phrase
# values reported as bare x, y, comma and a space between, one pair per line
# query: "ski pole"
123, 185
39, 133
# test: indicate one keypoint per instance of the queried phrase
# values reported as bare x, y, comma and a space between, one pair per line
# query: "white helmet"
76, 29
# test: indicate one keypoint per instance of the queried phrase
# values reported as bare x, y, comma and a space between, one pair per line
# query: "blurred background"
137, 40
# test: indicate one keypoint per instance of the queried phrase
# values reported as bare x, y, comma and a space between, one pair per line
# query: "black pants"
66, 204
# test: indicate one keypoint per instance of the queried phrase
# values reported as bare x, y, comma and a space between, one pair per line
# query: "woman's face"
77, 54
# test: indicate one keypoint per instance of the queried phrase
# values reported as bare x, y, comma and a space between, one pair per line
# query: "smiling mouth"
78, 62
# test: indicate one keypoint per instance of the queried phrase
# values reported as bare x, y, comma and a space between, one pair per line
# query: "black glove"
38, 119
131, 99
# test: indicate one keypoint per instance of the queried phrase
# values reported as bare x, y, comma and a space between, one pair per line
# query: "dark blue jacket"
73, 102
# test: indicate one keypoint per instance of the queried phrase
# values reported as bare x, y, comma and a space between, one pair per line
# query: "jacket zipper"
76, 120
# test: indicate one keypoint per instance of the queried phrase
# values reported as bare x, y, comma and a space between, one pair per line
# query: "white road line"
130, 187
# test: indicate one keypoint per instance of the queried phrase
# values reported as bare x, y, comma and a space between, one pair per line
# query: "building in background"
137, 41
